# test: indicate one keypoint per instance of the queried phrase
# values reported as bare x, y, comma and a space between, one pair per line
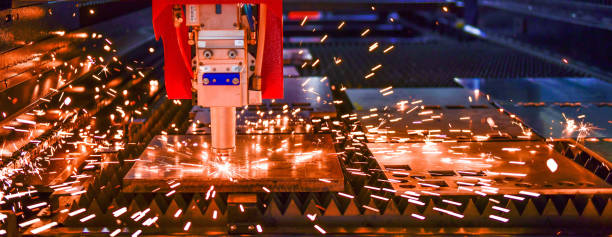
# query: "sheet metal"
464, 168
546, 104
565, 89
551, 121
432, 114
442, 124
363, 99
602, 147
280, 163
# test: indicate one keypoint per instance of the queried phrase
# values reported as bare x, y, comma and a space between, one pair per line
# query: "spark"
498, 218
115, 233
448, 212
79, 211
30, 222
379, 197
389, 49
43, 228
304, 21
501, 209
373, 47
370, 208
314, 64
323, 38
137, 233
84, 219
552, 165
451, 202
529, 193
514, 197
119, 212
320, 229
37, 205
365, 32
417, 216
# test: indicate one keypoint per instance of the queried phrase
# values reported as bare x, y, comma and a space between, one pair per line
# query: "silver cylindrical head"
223, 129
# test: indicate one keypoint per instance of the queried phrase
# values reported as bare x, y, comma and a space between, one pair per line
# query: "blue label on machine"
221, 79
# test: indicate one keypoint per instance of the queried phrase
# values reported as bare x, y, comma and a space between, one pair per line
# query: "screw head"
205, 81
235, 81
208, 54
232, 54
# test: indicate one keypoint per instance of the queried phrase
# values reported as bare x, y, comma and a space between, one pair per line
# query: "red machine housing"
177, 53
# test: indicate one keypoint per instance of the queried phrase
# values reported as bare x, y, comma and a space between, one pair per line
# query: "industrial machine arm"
237, 58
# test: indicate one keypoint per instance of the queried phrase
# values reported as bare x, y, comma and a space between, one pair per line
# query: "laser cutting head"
230, 42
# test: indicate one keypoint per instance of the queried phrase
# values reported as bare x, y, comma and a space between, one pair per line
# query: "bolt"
232, 54
208, 53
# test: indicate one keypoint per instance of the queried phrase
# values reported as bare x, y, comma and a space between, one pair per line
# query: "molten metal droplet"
552, 165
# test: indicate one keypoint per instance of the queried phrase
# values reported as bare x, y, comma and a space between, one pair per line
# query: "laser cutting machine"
236, 59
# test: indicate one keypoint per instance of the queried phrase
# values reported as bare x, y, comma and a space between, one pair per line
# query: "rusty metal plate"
483, 168
281, 163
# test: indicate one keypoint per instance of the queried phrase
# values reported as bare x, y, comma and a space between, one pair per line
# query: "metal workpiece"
279, 163
441, 123
433, 114
494, 168
566, 107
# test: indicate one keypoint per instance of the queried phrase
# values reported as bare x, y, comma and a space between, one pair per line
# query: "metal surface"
22, 25
603, 148
546, 104
515, 90
551, 121
416, 114
279, 163
364, 99
25, 92
488, 167
442, 124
